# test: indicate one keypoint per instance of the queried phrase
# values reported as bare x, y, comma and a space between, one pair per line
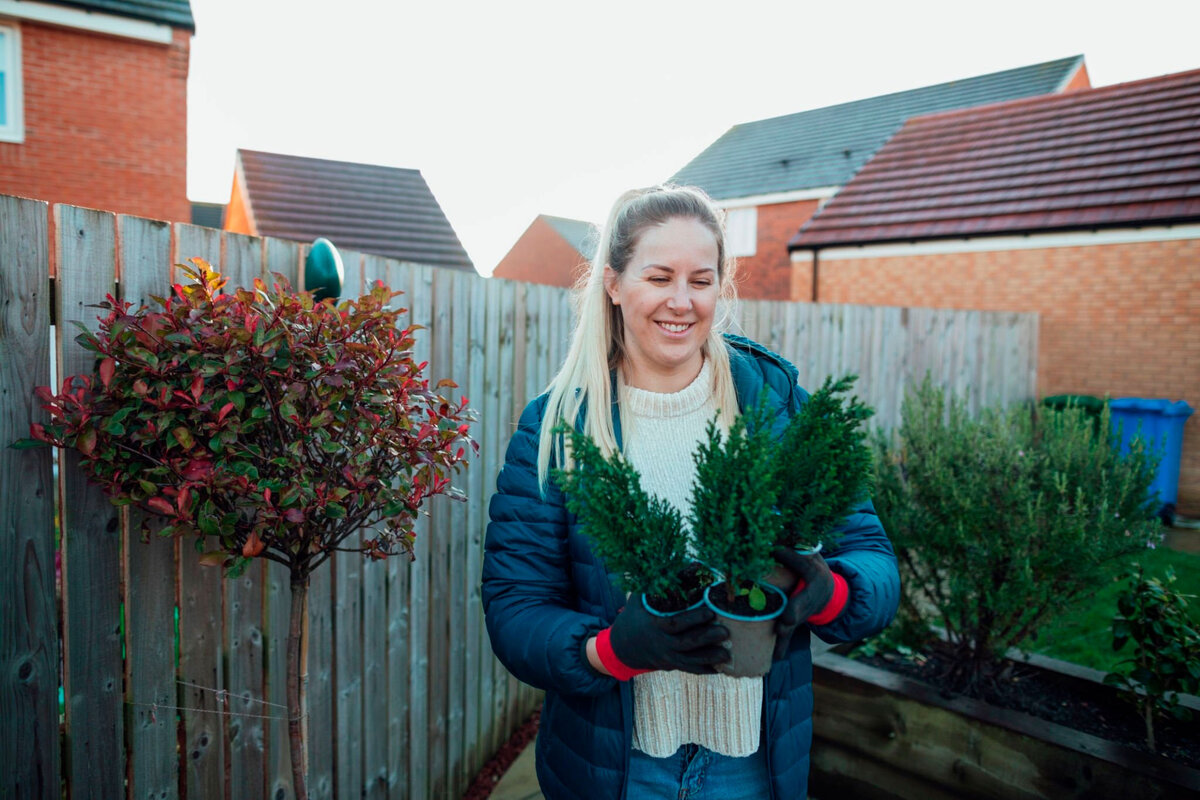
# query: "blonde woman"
633, 706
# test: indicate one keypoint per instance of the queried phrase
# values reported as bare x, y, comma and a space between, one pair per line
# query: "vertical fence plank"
421, 309
375, 622
150, 566
492, 427
319, 679
241, 263
399, 278
512, 403
200, 618
472, 376
282, 258
439, 600
460, 594
29, 745
92, 668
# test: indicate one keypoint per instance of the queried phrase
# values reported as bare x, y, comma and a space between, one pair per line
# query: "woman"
633, 708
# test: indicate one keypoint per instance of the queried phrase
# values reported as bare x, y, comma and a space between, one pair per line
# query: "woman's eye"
702, 284
659, 279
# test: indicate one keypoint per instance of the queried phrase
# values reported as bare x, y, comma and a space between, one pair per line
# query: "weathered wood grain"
92, 674
29, 745
473, 483
151, 568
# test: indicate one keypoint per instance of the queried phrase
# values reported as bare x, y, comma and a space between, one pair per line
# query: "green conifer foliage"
734, 517
824, 464
639, 537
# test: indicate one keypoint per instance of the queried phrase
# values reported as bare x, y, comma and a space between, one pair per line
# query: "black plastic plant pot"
752, 635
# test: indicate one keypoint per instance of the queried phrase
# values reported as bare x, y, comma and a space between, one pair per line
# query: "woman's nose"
680, 299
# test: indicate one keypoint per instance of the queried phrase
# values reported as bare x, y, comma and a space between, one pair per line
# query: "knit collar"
645, 403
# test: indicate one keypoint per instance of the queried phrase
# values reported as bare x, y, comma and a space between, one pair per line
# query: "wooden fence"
171, 678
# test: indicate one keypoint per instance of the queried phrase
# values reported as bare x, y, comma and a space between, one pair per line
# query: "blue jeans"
696, 773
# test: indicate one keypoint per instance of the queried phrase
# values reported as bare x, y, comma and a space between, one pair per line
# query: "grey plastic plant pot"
751, 639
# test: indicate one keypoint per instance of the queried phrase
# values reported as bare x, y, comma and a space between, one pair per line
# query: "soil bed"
1071, 702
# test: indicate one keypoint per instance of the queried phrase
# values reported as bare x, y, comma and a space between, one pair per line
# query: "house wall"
767, 275
237, 216
1117, 319
105, 123
541, 256
1079, 80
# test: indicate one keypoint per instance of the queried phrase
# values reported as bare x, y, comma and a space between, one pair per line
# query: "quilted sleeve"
527, 591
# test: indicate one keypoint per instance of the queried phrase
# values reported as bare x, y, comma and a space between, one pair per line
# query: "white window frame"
741, 231
14, 129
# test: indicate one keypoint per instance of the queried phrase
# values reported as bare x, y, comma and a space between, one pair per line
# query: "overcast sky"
511, 109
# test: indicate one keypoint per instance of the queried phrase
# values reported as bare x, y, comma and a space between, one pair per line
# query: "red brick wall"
767, 275
541, 256
1117, 319
105, 123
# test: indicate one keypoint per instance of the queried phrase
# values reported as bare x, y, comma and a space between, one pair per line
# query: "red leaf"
161, 505
253, 545
141, 388
294, 515
224, 412
213, 558
267, 496
184, 500
107, 367
197, 470
197, 387
37, 431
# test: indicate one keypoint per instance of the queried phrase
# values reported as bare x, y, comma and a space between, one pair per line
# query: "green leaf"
27, 444
335, 511
114, 428
757, 598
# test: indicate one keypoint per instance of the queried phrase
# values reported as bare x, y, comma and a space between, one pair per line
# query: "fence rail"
172, 679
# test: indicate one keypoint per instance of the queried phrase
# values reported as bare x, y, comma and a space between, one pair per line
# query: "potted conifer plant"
823, 466
735, 523
640, 538
265, 425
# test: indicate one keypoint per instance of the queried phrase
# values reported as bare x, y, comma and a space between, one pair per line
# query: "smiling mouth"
675, 327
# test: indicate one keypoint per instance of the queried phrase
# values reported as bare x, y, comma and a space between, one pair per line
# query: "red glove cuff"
841, 594
609, 659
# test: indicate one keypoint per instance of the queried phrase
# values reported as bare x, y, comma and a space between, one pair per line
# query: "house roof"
826, 146
579, 234
177, 13
209, 215
1117, 156
381, 210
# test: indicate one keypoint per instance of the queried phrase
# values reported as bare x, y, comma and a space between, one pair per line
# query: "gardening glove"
818, 598
639, 641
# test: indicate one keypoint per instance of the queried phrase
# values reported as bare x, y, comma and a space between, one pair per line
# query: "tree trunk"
295, 665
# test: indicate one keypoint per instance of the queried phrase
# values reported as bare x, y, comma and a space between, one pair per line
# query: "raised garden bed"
880, 735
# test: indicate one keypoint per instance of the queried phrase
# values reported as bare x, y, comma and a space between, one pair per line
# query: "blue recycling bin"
1159, 422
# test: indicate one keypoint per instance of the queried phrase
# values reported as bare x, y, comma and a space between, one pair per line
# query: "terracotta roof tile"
1116, 156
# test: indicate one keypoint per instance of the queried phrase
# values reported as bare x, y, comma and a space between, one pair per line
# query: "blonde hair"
598, 340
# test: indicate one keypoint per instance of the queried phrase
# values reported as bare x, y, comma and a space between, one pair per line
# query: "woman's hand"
812, 594
641, 641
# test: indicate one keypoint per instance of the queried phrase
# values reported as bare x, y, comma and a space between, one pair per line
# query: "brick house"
383, 211
93, 104
552, 250
1082, 207
772, 175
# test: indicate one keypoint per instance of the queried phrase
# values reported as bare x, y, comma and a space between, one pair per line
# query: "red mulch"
494, 770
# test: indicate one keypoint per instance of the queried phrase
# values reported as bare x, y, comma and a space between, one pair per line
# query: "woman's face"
667, 296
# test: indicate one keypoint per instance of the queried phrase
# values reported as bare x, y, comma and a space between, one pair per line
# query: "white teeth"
675, 328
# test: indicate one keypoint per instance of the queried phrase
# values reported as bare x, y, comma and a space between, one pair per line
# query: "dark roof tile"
381, 210
1118, 155
826, 146
176, 13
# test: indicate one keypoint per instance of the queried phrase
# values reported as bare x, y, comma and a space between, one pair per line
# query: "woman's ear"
610, 284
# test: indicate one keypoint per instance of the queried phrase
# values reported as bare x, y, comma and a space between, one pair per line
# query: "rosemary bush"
1000, 521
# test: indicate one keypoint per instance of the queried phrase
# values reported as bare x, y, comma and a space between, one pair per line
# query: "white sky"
511, 109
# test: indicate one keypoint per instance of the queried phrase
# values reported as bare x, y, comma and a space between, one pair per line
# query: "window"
741, 231
11, 129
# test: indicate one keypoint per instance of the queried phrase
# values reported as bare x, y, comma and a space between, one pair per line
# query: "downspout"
815, 272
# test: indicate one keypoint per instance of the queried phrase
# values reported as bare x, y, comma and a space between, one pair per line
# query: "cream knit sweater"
671, 708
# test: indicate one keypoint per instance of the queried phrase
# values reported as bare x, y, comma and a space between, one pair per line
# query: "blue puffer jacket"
545, 594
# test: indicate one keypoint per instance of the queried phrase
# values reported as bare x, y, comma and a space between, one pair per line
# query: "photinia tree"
265, 425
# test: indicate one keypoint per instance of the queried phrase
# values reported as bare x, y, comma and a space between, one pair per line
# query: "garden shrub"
999, 521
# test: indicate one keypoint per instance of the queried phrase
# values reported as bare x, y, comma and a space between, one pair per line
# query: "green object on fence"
324, 274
